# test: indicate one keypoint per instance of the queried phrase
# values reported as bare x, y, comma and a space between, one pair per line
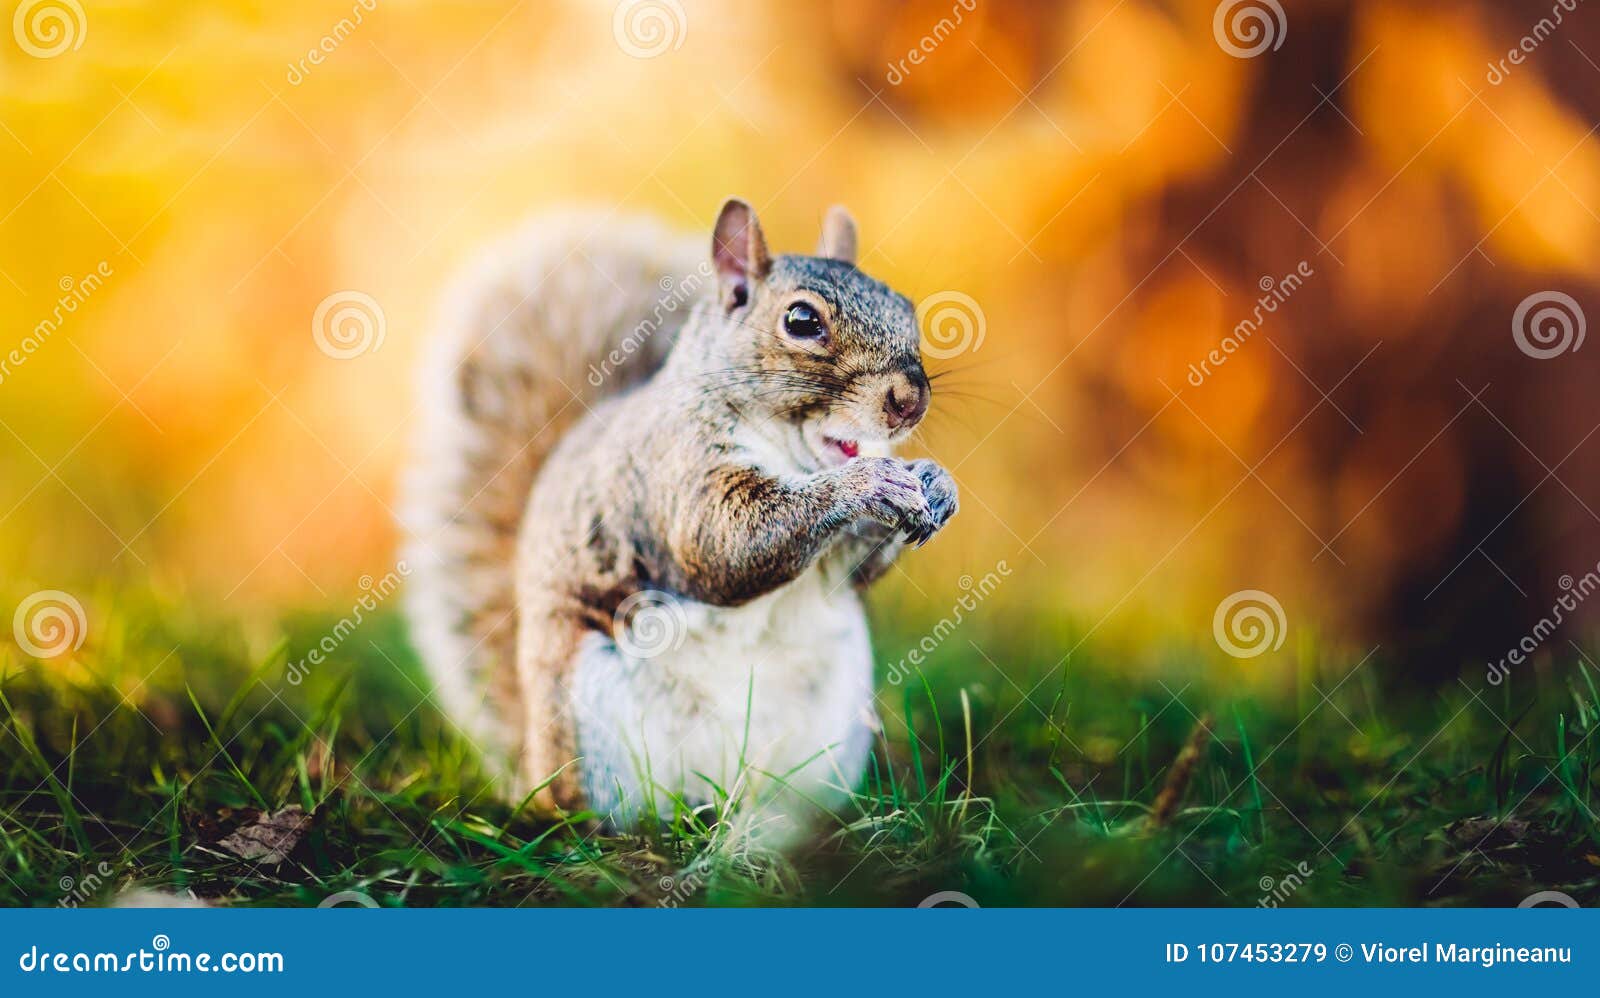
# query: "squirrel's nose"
905, 403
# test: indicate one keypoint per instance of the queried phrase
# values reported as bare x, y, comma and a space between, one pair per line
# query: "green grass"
1005, 773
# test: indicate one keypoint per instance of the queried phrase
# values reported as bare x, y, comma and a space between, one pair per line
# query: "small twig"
1179, 776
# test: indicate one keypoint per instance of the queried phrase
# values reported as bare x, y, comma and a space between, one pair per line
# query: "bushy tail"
572, 309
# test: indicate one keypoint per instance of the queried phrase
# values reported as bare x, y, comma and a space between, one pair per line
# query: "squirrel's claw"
915, 498
939, 492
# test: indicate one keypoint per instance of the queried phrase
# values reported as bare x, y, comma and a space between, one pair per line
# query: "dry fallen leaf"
270, 837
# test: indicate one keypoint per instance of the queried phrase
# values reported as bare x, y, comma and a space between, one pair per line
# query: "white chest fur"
767, 699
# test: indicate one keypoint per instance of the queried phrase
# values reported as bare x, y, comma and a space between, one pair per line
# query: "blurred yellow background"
1106, 179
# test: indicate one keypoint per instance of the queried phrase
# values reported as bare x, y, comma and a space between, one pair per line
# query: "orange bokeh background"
1102, 177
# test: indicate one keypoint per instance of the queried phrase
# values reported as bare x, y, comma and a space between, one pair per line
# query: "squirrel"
648, 492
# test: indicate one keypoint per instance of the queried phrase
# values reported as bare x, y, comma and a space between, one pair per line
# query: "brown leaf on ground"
1487, 834
270, 837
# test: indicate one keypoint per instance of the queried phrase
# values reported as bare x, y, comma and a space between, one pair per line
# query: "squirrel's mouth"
828, 446
845, 448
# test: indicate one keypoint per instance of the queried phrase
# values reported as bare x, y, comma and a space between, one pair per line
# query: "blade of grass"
222, 750
30, 748
1250, 766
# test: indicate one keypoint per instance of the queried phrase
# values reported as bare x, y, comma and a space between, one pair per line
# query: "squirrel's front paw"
939, 492
890, 492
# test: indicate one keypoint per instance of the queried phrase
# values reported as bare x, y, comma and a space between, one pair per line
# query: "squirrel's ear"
838, 240
739, 252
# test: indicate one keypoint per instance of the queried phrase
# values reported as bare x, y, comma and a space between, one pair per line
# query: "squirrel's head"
812, 343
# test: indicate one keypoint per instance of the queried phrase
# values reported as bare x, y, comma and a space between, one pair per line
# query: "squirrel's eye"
802, 322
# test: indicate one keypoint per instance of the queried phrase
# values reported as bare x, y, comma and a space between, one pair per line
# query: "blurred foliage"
1101, 176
